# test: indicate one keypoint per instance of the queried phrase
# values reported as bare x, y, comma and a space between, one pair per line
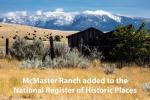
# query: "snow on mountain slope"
59, 19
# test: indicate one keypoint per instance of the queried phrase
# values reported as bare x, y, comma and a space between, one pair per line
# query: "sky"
136, 8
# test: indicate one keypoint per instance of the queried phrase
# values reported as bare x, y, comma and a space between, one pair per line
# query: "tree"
133, 44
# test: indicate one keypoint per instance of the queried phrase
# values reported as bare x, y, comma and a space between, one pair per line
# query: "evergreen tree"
133, 44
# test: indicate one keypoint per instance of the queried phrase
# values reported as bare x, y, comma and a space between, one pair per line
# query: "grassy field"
11, 30
11, 76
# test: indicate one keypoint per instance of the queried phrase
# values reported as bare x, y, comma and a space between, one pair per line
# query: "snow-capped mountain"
59, 19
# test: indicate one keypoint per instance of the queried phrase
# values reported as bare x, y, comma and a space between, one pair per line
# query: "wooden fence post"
51, 48
7, 46
81, 45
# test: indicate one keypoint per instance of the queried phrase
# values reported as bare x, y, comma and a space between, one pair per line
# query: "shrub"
18, 48
21, 49
109, 68
35, 50
26, 37
35, 31
33, 63
40, 38
57, 38
2, 53
60, 48
70, 59
44, 39
75, 59
146, 86
95, 54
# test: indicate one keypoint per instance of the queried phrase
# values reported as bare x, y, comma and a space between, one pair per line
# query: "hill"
12, 30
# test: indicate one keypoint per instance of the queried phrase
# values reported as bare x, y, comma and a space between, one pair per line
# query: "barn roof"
91, 28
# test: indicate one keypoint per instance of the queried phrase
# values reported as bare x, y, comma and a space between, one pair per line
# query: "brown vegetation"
11, 76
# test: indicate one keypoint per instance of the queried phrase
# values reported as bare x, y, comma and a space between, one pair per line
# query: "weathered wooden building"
88, 37
92, 38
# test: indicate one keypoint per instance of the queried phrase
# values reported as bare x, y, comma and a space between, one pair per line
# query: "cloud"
59, 10
39, 12
16, 14
61, 17
103, 13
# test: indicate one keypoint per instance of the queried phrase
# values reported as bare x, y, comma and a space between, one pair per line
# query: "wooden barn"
88, 37
92, 38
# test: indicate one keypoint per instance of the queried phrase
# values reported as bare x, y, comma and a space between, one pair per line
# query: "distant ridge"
61, 20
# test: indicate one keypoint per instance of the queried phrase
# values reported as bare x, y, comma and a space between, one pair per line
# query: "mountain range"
62, 20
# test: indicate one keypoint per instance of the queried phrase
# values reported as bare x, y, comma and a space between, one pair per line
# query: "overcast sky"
139, 8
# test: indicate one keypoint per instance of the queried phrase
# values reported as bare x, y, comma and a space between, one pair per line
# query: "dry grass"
10, 30
11, 76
